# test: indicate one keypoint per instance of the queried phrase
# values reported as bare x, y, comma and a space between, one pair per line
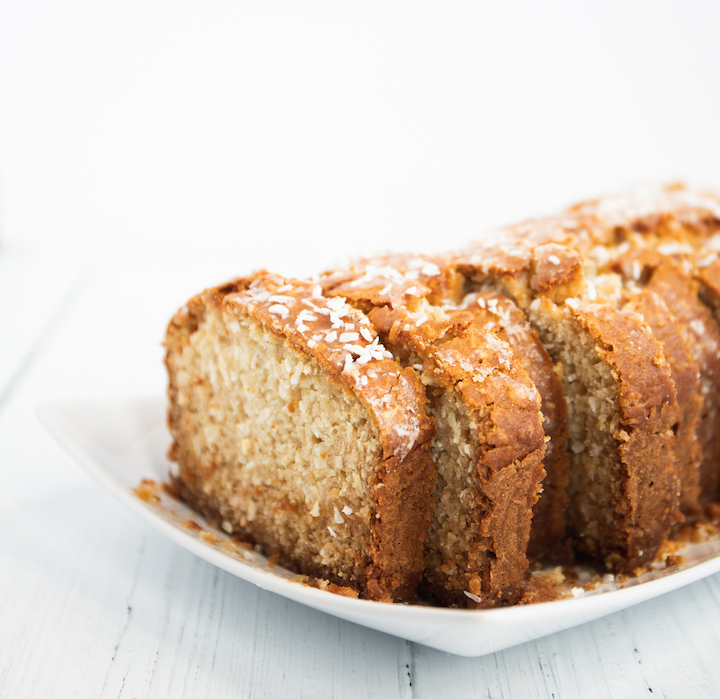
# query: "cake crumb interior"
291, 451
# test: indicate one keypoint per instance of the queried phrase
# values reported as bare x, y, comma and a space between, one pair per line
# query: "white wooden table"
94, 603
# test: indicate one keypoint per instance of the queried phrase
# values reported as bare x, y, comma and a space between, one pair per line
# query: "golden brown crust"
680, 293
648, 236
525, 267
394, 280
344, 343
458, 352
403, 491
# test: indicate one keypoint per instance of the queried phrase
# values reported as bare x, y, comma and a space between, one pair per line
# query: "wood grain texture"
94, 603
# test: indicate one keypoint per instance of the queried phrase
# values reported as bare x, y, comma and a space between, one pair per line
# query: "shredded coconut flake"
430, 270
554, 259
331, 336
305, 315
332, 532
279, 310
348, 365
315, 512
697, 327
366, 334
347, 510
473, 597
277, 298
349, 337
337, 305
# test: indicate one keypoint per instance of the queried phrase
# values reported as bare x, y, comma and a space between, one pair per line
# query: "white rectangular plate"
119, 443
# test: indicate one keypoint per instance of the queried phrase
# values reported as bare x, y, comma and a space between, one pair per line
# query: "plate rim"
576, 610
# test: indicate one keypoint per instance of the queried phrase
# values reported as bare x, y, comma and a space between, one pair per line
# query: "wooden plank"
665, 647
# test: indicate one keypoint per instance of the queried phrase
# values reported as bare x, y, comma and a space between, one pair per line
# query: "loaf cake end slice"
295, 429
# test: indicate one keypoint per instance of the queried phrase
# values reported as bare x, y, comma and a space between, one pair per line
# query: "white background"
232, 127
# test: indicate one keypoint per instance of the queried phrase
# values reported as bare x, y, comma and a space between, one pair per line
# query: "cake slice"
295, 429
488, 450
497, 313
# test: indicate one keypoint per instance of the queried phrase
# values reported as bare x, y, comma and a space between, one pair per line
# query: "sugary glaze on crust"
342, 340
502, 409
